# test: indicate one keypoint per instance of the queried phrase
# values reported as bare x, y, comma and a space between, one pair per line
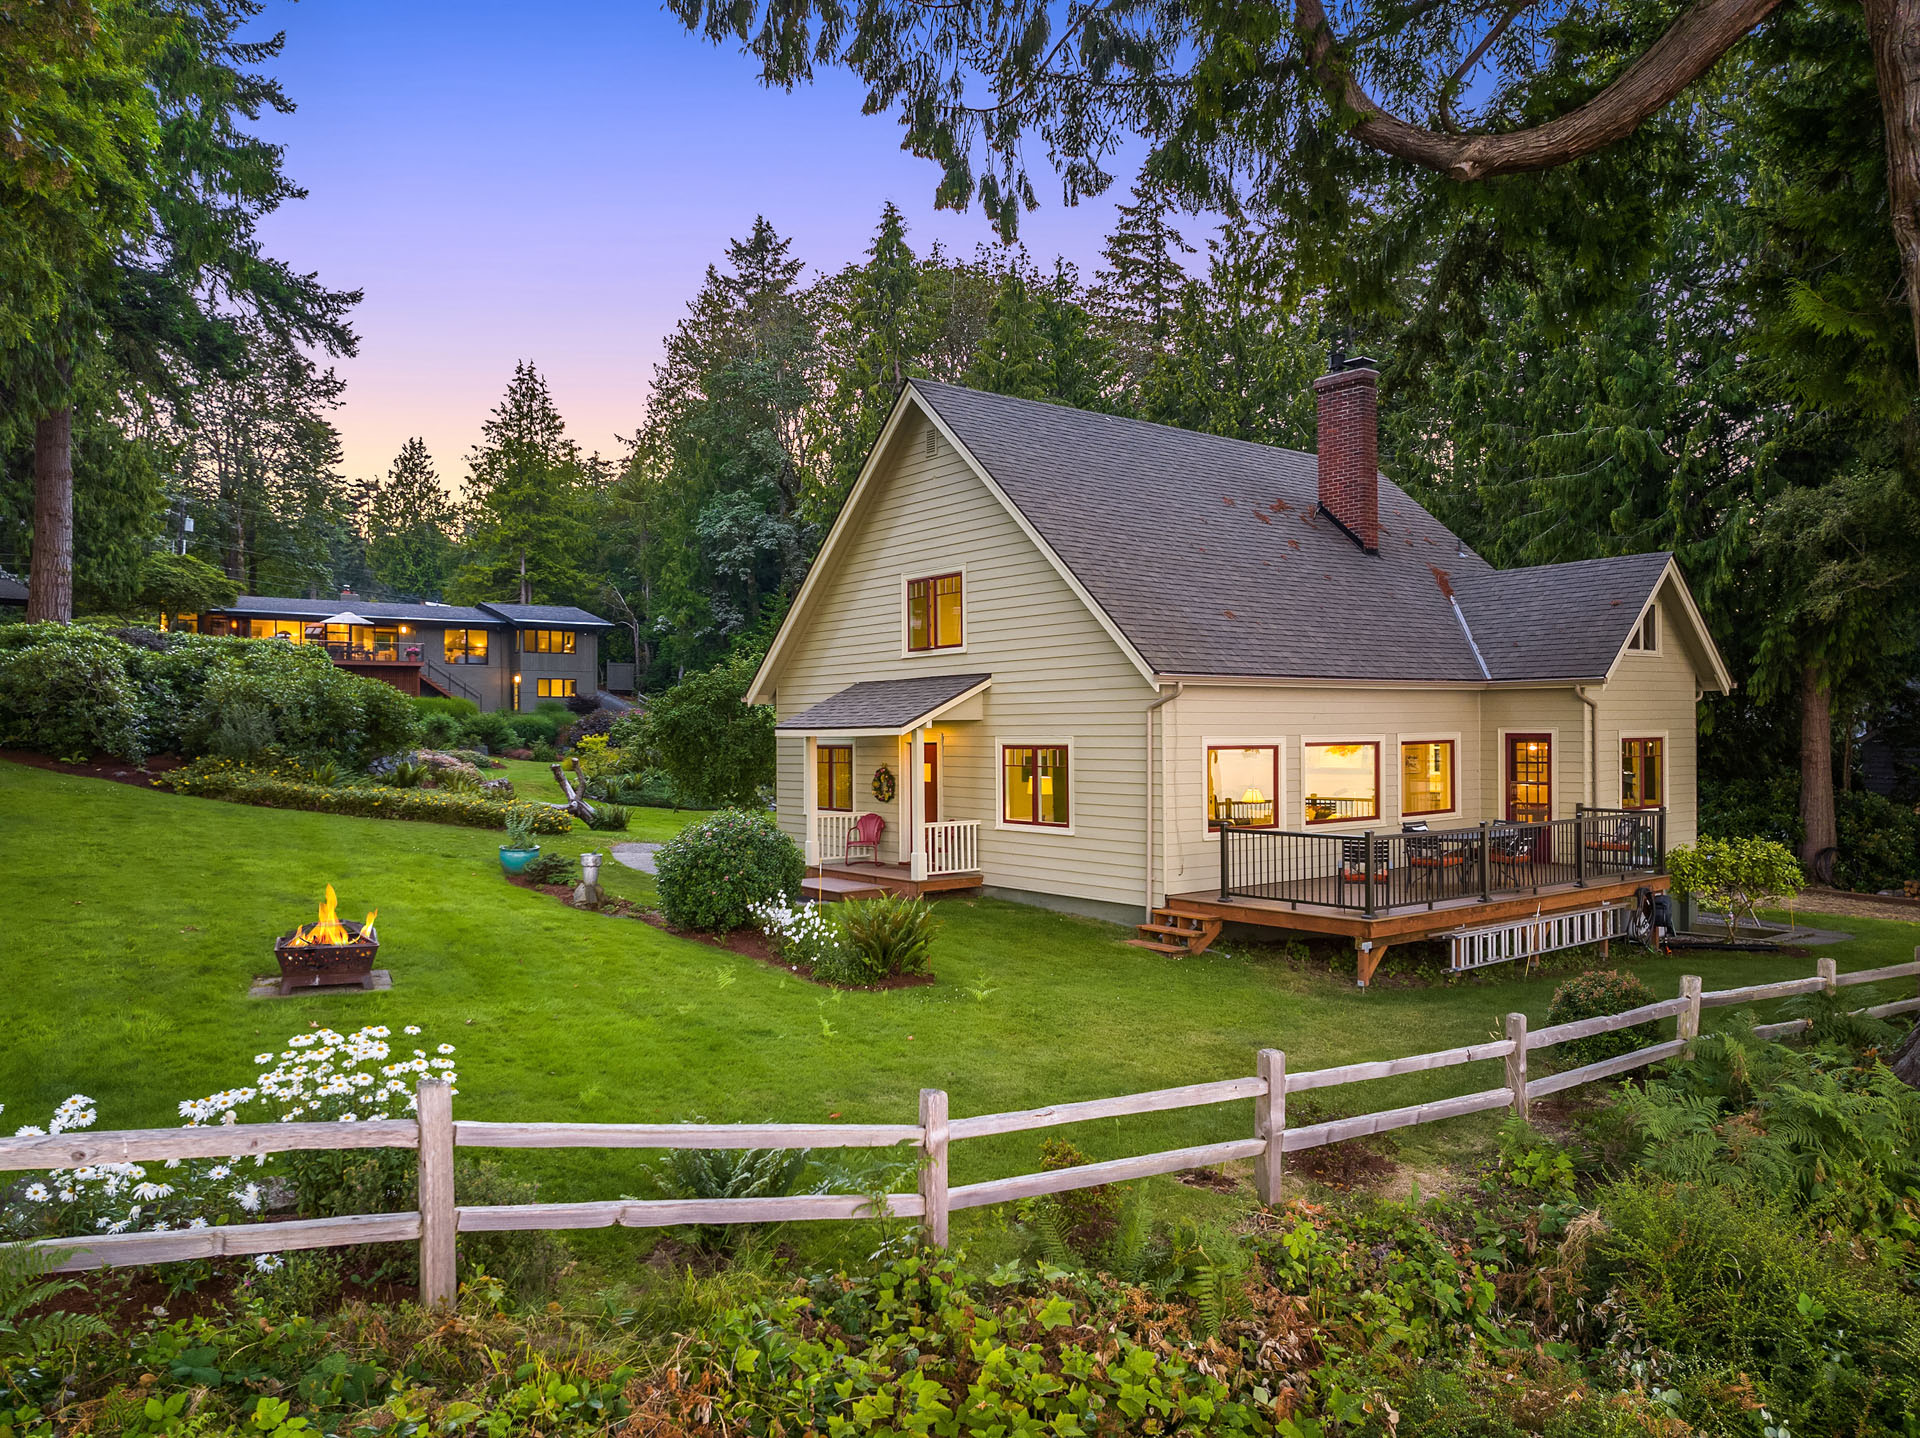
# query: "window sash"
833, 777
555, 688
547, 641
1241, 808
1642, 773
1339, 808
1425, 767
464, 646
934, 613
1036, 787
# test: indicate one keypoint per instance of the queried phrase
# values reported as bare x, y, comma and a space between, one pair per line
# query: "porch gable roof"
886, 706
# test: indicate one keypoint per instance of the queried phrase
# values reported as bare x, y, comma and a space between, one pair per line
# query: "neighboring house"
501, 656
13, 593
1095, 644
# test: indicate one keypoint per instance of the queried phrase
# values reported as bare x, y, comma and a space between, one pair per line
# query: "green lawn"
133, 921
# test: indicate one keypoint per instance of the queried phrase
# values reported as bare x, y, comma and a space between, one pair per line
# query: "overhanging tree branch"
1686, 52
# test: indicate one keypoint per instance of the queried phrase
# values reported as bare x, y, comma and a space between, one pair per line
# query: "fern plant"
31, 1336
727, 1173
889, 936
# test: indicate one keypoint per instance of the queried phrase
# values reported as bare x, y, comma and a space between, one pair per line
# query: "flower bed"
286, 787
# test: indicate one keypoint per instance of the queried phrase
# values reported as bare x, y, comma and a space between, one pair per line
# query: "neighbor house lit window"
833, 776
546, 641
1243, 785
933, 613
1340, 782
466, 646
1426, 777
294, 630
1034, 784
1646, 635
1643, 779
555, 688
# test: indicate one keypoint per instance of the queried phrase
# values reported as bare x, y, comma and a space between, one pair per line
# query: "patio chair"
1353, 861
1435, 856
1616, 845
865, 837
1512, 848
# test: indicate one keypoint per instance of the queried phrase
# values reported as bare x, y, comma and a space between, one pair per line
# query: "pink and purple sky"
550, 183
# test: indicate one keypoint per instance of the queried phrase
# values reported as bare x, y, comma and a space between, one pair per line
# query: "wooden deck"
843, 880
1372, 937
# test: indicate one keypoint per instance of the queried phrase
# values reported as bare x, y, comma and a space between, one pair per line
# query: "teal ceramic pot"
515, 861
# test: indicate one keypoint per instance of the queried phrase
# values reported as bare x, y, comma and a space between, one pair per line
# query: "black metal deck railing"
1374, 872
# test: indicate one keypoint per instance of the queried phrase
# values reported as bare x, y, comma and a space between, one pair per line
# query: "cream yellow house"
1069, 657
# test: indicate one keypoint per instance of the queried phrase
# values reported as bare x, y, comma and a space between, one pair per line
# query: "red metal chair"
866, 833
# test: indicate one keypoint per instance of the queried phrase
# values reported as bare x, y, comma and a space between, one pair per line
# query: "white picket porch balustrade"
953, 847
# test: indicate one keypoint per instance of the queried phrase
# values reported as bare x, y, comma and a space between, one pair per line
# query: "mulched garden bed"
100, 766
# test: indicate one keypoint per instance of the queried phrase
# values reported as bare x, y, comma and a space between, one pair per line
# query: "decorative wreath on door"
883, 785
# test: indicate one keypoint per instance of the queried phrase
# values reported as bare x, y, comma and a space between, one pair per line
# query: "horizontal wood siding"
1652, 694
1558, 712
1058, 677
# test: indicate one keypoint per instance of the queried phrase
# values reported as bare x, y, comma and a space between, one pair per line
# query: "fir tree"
1139, 286
410, 521
525, 534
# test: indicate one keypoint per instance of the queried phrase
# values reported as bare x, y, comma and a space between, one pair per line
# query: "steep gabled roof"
1558, 621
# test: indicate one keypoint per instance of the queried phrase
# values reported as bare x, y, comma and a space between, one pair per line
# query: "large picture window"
1426, 777
465, 646
1643, 777
1340, 782
293, 630
546, 641
933, 613
1243, 785
833, 773
1034, 784
556, 688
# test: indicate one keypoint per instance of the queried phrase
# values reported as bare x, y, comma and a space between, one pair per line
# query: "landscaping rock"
441, 762
499, 788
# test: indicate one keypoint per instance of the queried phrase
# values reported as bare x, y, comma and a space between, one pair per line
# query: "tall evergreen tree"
1139, 286
525, 531
410, 523
1041, 343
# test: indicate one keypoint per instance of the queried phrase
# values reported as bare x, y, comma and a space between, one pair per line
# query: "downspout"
1593, 742
1151, 709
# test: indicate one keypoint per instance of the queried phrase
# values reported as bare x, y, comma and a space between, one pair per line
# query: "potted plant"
520, 849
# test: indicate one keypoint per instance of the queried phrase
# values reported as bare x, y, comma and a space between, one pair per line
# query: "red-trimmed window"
1643, 773
933, 613
834, 776
1243, 785
1340, 782
1034, 788
1426, 777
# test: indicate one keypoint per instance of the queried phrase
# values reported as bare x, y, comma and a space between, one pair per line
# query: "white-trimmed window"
1243, 785
1428, 777
1036, 785
1340, 781
935, 612
1645, 638
833, 777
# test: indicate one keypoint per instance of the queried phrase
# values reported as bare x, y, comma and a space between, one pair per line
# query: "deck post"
438, 1216
1828, 971
810, 786
933, 1172
1226, 871
1660, 840
1486, 861
1517, 1064
1686, 1024
1366, 861
1270, 1123
1580, 846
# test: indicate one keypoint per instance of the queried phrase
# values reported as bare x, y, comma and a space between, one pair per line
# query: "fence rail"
436, 1136
1372, 872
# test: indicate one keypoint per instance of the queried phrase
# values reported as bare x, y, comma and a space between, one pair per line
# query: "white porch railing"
830, 834
953, 847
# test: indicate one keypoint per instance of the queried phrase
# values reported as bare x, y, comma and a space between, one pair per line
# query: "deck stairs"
830, 888
1178, 931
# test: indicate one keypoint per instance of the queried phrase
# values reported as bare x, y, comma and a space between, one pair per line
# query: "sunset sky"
549, 183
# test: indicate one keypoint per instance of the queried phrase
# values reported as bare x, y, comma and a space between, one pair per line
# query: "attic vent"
927, 443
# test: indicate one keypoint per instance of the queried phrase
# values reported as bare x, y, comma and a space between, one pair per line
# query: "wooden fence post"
933, 1173
1270, 1123
1686, 1023
434, 1098
1517, 1063
1829, 972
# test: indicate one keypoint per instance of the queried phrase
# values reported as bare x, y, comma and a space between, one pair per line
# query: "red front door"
1529, 778
930, 781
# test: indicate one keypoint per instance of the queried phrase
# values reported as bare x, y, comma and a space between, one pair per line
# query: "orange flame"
329, 929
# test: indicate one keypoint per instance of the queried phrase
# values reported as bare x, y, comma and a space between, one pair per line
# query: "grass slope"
134, 920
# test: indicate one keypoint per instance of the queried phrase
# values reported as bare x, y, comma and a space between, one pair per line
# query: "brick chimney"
1348, 407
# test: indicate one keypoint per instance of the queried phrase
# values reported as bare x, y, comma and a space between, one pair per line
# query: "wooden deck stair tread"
1178, 931
827, 887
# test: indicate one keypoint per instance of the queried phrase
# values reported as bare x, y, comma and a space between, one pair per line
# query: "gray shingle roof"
12, 591
895, 704
547, 614
267, 606
1210, 555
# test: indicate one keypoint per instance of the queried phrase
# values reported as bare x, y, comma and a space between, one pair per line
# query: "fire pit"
328, 952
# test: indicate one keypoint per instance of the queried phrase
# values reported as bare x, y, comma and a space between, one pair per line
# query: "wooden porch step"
826, 889
1156, 946
1178, 931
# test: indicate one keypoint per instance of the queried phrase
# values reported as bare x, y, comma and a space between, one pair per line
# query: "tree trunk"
1893, 27
526, 589
1816, 768
50, 582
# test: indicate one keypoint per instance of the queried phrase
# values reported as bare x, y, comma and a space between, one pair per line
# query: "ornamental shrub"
1879, 841
69, 691
1588, 996
1736, 876
713, 873
287, 786
888, 937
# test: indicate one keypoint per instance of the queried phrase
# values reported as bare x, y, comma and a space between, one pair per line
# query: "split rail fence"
435, 1134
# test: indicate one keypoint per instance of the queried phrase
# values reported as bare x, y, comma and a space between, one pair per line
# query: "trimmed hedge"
1591, 995
285, 787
